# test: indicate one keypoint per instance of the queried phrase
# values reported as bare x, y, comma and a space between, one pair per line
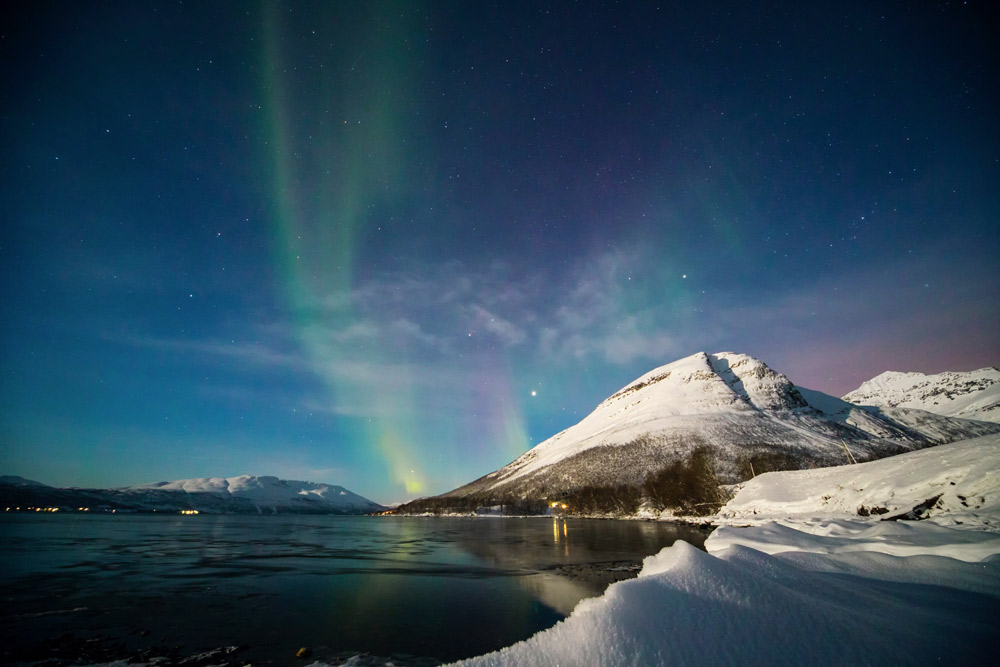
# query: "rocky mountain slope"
969, 395
731, 405
247, 494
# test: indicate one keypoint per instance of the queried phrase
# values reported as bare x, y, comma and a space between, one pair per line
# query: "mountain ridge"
964, 394
244, 494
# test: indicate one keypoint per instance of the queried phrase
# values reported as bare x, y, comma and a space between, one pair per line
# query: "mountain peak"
16, 480
755, 382
724, 381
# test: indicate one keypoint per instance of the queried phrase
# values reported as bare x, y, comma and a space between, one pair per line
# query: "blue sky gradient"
394, 245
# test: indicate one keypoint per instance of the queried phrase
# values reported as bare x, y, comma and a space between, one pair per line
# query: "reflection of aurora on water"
341, 154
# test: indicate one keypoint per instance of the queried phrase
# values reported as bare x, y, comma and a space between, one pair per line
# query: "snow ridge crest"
723, 381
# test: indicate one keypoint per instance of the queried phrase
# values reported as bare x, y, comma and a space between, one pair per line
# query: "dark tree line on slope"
690, 486
621, 499
469, 504
764, 460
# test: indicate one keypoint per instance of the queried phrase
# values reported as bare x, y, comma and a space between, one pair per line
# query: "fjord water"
433, 589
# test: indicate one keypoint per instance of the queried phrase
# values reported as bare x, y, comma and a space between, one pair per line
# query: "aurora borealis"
394, 245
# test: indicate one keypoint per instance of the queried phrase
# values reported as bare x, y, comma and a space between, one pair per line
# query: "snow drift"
956, 484
739, 605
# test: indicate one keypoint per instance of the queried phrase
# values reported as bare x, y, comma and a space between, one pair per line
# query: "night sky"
393, 246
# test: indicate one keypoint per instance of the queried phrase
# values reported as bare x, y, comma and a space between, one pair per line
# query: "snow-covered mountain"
969, 395
262, 494
247, 494
732, 404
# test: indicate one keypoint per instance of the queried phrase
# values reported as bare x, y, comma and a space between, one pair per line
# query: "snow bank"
896, 538
959, 484
739, 605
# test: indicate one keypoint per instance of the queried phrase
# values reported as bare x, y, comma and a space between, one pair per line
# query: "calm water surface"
426, 589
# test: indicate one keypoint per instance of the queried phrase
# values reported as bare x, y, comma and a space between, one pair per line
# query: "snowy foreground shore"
811, 581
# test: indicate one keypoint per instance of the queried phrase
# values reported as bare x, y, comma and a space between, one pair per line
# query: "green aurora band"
337, 150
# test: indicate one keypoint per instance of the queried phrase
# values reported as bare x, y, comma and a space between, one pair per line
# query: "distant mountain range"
247, 494
971, 395
734, 412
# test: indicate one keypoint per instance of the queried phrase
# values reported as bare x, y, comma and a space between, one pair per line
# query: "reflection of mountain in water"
578, 558
558, 592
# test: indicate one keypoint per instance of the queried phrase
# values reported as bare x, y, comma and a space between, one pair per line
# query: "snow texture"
970, 395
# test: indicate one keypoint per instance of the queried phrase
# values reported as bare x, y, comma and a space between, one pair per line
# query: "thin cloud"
505, 331
249, 353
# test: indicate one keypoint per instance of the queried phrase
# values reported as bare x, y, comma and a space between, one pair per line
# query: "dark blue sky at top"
394, 245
